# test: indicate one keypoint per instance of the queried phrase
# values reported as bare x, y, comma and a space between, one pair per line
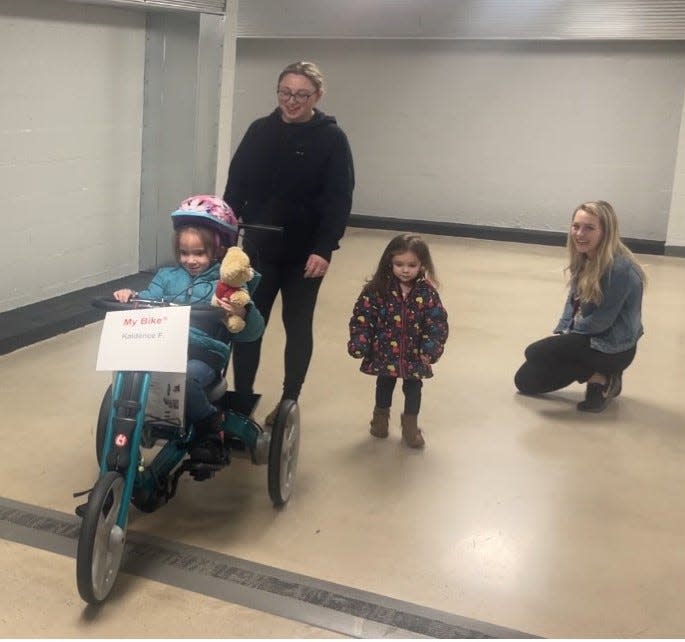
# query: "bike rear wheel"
101, 541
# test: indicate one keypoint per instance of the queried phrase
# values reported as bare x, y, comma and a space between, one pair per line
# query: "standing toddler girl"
399, 328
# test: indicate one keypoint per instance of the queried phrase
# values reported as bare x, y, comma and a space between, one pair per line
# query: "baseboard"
38, 321
491, 233
675, 250
26, 325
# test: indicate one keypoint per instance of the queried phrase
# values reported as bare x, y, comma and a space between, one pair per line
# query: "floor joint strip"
330, 606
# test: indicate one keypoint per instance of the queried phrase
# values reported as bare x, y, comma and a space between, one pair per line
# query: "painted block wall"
494, 133
675, 240
511, 134
71, 104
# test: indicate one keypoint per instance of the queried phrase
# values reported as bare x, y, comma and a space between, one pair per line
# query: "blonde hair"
307, 69
586, 273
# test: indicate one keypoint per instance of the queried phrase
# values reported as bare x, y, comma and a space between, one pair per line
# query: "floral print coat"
392, 333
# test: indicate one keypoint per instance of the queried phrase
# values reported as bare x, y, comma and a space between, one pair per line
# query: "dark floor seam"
297, 597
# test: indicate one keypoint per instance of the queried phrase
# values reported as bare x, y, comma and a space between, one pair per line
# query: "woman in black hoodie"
292, 169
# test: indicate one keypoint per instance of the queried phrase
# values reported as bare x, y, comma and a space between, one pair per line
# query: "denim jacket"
615, 324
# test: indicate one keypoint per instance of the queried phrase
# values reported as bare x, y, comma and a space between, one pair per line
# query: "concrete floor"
520, 513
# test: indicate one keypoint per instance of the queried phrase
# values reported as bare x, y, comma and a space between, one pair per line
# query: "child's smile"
192, 253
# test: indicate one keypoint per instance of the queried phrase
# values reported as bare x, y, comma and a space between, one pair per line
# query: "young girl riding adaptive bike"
205, 227
216, 421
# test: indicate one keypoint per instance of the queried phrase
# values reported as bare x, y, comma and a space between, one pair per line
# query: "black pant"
410, 387
298, 296
557, 361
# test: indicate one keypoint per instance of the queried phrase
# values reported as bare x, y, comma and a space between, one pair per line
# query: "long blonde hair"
586, 273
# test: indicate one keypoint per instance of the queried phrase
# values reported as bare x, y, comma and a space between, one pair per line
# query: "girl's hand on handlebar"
232, 309
124, 295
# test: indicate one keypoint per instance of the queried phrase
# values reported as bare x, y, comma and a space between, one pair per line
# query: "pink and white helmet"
208, 211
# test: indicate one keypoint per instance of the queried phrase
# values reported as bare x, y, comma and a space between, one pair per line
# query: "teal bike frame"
136, 475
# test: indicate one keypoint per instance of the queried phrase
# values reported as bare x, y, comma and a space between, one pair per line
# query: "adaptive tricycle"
152, 342
125, 430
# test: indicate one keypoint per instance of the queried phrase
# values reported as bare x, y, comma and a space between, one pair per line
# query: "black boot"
596, 398
209, 444
615, 384
210, 450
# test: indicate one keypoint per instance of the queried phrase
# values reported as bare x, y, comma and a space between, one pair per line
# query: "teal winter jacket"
208, 341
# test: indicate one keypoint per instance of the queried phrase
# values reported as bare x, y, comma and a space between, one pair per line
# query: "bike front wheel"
101, 429
101, 540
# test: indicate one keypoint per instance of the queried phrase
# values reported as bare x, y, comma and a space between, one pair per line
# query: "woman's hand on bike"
124, 295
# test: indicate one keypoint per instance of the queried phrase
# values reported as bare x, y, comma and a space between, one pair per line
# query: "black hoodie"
296, 175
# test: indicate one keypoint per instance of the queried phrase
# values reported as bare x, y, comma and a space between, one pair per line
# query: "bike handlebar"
202, 311
260, 227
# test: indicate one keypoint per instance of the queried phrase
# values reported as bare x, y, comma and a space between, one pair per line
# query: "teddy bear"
235, 271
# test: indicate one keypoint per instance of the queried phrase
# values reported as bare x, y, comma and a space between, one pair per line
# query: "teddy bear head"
235, 268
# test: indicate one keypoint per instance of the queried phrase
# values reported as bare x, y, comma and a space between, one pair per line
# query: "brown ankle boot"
379, 422
411, 433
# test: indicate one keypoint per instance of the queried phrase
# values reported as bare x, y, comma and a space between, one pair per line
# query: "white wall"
511, 134
675, 239
507, 134
226, 99
71, 102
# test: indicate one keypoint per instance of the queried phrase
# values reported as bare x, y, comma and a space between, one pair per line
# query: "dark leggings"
298, 296
557, 361
410, 387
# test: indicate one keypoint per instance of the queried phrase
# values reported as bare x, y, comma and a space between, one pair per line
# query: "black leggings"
410, 387
557, 361
298, 296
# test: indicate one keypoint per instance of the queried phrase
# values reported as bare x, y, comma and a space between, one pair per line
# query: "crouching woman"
596, 337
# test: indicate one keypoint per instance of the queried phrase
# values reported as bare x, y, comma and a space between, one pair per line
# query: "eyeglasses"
300, 97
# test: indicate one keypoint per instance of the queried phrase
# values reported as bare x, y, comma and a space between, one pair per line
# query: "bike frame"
131, 472
238, 426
